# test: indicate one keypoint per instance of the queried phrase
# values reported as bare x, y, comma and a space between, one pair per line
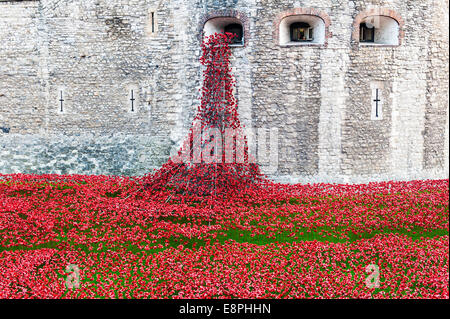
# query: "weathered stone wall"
96, 154
319, 97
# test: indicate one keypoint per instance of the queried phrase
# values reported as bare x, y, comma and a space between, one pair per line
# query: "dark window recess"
132, 100
301, 32
153, 22
366, 34
377, 100
237, 30
61, 100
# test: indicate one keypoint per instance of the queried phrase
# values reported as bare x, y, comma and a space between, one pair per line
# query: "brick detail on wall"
301, 11
225, 13
378, 12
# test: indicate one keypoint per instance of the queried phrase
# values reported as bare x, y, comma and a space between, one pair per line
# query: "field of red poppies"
112, 237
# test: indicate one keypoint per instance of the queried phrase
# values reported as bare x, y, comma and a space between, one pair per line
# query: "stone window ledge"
294, 44
378, 45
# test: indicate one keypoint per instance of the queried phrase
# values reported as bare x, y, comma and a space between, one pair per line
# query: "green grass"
235, 235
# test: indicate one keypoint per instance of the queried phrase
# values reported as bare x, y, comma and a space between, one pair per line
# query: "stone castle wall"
318, 97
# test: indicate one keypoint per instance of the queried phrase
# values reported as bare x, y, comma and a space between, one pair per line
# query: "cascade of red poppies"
214, 159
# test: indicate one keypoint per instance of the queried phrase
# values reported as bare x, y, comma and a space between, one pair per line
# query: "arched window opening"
301, 32
379, 30
302, 29
224, 25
